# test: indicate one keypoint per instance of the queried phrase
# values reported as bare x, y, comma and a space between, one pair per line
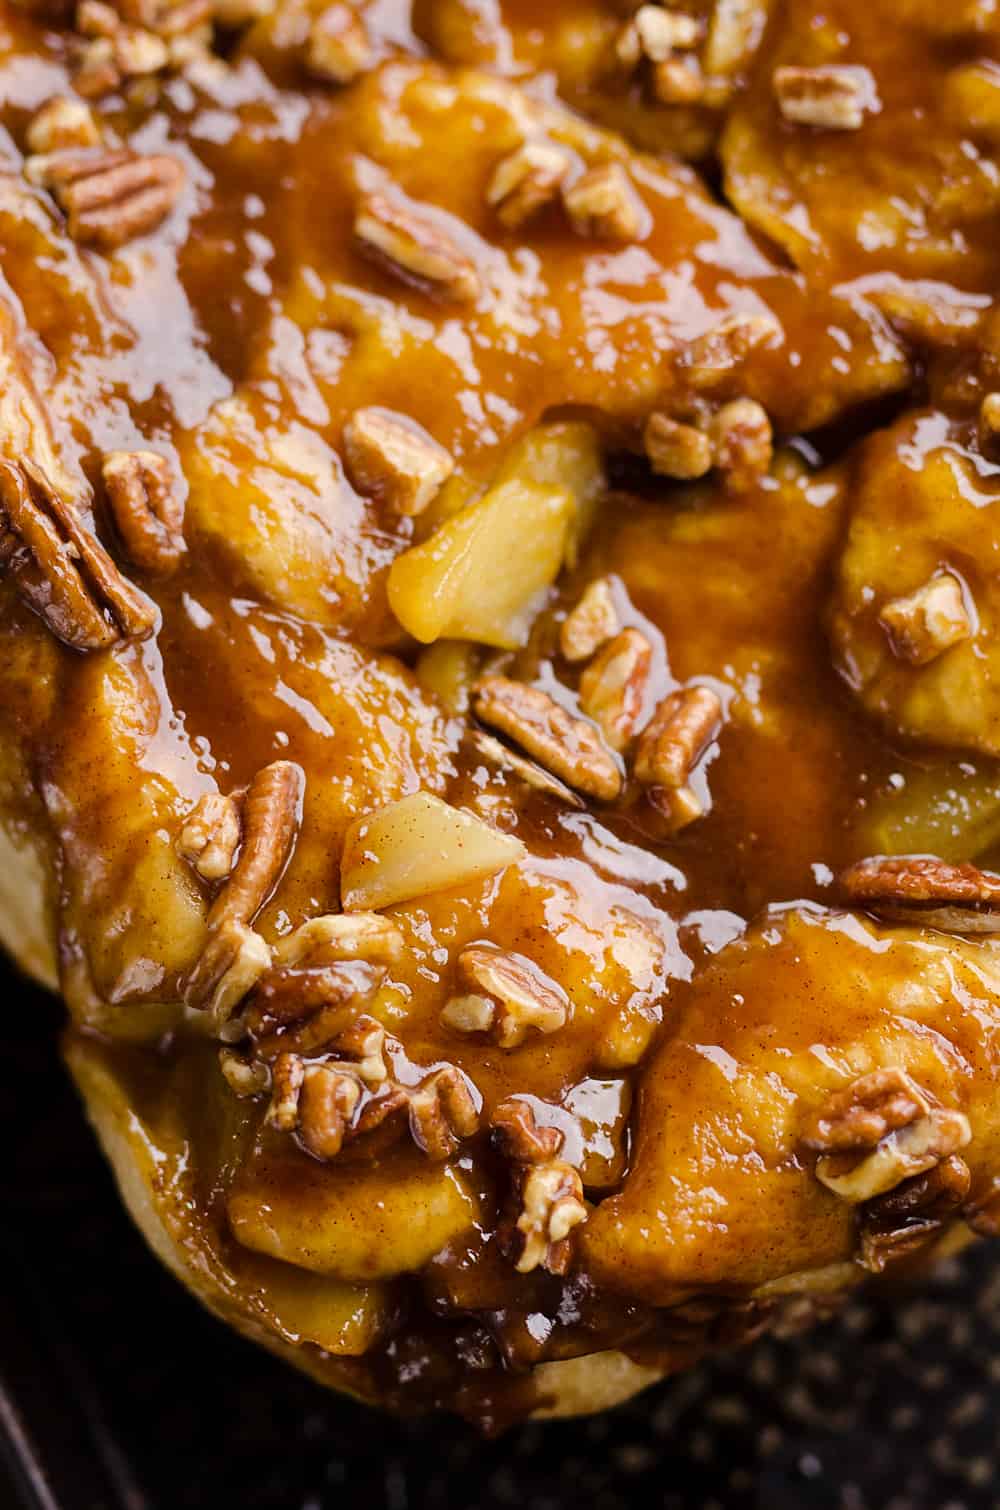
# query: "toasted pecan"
925, 891
569, 747
147, 509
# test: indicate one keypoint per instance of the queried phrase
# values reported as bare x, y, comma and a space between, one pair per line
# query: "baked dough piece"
413, 672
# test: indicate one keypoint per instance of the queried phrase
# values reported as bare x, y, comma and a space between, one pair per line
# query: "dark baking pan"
118, 1393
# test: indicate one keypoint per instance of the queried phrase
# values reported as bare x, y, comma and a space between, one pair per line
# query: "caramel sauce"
713, 979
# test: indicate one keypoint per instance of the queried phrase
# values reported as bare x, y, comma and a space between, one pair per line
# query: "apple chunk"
485, 571
416, 846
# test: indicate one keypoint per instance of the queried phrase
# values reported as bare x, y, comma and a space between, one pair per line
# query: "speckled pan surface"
499, 713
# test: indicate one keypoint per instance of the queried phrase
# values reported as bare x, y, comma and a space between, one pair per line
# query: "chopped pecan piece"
526, 181
859, 1116
392, 458
343, 936
989, 425
591, 623
244, 1075
364, 1043
109, 196
678, 81
533, 776
670, 747
983, 1213
230, 965
906, 1220
315, 1102
613, 686
675, 449
339, 47
926, 623
602, 203
519, 994
516, 1133
416, 248
925, 891
442, 1112
742, 442
147, 510
305, 1007
711, 360
211, 835
231, 962
61, 569
733, 30
61, 123
567, 746
834, 96
551, 1206
880, 1131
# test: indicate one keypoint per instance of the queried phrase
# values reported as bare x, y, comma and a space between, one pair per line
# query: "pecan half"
520, 996
109, 196
305, 1007
613, 687
516, 1133
271, 813
675, 449
211, 835
61, 569
926, 623
532, 775
551, 1197
392, 458
835, 96
924, 891
602, 204
442, 1112
413, 246
591, 623
860, 1115
673, 742
880, 1131
339, 47
62, 122
146, 508
526, 181
568, 747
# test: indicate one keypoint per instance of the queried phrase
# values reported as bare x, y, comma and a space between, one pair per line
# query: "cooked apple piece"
484, 574
918, 587
448, 668
161, 1153
951, 810
353, 1223
416, 846
563, 454
341, 1318
136, 906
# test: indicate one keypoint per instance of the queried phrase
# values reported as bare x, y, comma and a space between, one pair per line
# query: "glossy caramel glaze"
805, 643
